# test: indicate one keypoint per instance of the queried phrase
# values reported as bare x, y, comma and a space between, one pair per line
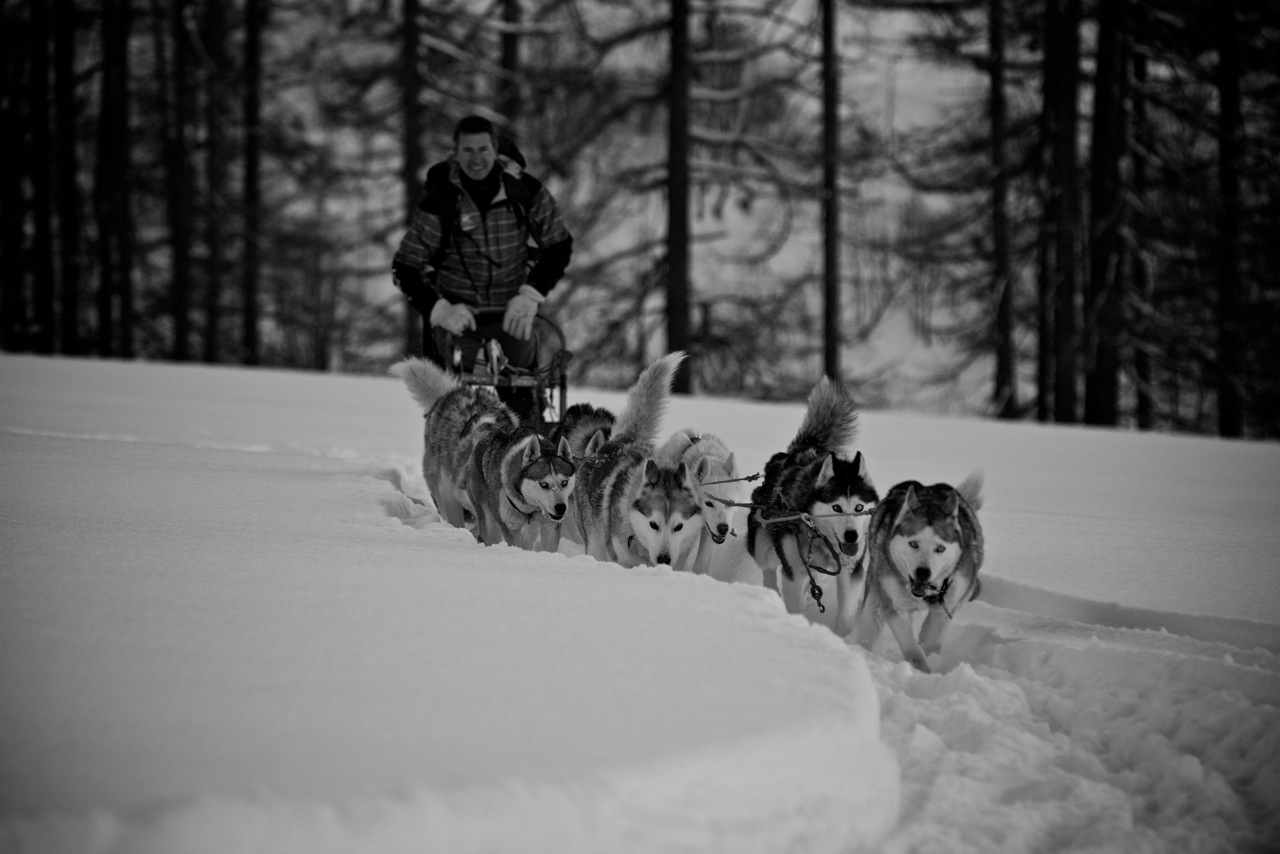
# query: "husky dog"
812, 502
611, 480
582, 425
707, 461
664, 517
586, 428
925, 552
456, 417
520, 485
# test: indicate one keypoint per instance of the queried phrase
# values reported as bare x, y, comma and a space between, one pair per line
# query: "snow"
231, 621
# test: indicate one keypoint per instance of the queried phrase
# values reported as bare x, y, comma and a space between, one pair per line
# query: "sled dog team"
604, 482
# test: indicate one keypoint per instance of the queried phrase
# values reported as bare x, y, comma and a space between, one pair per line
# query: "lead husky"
611, 480
520, 485
456, 417
813, 501
925, 552
707, 461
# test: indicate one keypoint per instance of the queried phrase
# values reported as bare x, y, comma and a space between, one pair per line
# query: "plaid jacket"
488, 259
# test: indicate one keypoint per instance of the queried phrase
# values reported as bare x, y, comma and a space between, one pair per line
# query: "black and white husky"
611, 480
811, 512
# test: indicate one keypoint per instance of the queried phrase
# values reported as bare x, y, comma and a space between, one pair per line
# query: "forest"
1085, 229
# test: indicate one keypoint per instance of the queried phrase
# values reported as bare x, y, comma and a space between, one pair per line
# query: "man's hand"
454, 319
518, 319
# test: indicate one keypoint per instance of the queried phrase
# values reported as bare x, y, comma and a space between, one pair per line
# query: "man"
467, 248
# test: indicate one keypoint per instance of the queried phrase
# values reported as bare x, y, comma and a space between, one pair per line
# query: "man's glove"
454, 319
518, 319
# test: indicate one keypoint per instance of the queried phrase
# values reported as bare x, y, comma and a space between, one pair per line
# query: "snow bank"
213, 644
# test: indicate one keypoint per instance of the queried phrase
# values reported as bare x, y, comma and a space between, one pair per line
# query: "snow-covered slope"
231, 621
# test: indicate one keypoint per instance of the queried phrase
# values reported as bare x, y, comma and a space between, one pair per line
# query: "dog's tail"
427, 382
647, 400
831, 421
970, 490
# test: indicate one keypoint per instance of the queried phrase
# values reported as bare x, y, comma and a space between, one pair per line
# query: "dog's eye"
543, 484
915, 544
678, 527
653, 525
939, 549
858, 508
711, 505
837, 508
564, 484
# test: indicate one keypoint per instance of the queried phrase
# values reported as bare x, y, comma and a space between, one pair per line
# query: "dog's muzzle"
849, 546
718, 535
920, 585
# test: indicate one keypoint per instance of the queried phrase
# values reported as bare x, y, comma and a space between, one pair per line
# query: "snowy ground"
230, 621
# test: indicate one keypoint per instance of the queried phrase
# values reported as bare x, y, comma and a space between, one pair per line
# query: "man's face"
476, 154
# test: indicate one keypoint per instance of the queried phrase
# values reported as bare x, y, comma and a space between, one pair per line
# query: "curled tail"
647, 400
426, 381
970, 490
831, 422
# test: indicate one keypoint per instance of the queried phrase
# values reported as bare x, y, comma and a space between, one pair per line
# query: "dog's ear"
704, 467
532, 449
827, 471
951, 504
731, 466
651, 473
863, 474
682, 475
596, 441
910, 505
563, 449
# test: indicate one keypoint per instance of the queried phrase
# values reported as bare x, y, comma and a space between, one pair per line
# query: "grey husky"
610, 480
925, 552
520, 484
664, 517
811, 511
585, 427
710, 468
456, 416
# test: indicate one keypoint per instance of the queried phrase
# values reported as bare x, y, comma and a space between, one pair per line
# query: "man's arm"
413, 259
554, 239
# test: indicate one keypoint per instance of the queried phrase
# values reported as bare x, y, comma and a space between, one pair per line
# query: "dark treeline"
1097, 223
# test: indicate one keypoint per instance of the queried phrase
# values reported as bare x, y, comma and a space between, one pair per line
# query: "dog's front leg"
791, 581
550, 535
702, 549
870, 618
931, 633
850, 587
900, 625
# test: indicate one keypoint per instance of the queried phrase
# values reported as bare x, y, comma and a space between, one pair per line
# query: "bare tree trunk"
831, 325
1051, 202
678, 194
174, 102
109, 188
68, 168
508, 86
14, 115
1006, 389
251, 272
215, 42
417, 333
1067, 256
1106, 217
1230, 155
1144, 376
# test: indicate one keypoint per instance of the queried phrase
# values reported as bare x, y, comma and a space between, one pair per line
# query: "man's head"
475, 145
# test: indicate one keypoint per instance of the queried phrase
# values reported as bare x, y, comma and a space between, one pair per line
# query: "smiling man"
485, 235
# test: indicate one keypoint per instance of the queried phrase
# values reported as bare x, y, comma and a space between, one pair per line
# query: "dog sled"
547, 380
